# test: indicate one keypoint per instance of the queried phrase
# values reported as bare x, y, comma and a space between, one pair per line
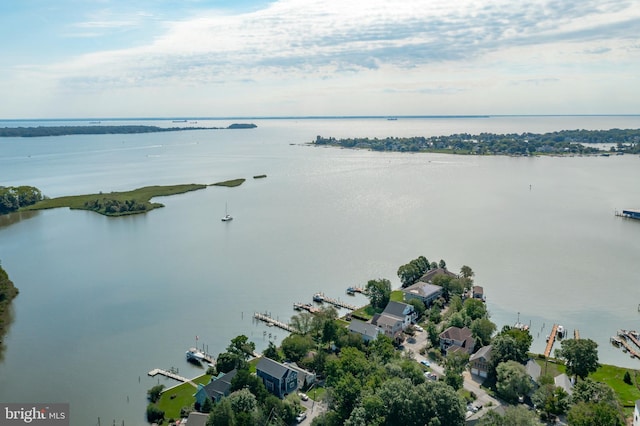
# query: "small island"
565, 142
104, 130
138, 201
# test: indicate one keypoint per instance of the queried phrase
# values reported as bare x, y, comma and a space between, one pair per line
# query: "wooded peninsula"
104, 130
564, 142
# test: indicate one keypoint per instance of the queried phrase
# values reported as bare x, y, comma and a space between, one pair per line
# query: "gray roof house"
563, 381
401, 310
455, 339
391, 325
367, 330
422, 291
432, 273
279, 379
480, 362
197, 419
217, 388
305, 378
533, 370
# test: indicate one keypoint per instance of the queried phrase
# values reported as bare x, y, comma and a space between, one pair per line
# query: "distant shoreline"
42, 131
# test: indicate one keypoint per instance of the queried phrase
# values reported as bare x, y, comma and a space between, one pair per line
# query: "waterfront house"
403, 311
305, 378
390, 325
425, 292
563, 381
217, 388
480, 362
477, 292
367, 330
533, 370
456, 339
432, 273
197, 419
279, 379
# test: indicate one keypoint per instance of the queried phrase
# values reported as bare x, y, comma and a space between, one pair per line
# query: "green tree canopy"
513, 416
379, 292
512, 380
581, 356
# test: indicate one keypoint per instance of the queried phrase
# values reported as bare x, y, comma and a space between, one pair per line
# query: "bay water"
105, 300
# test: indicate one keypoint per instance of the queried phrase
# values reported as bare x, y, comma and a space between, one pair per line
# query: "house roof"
221, 385
363, 328
562, 381
197, 419
429, 275
483, 352
272, 368
533, 369
456, 333
397, 309
389, 320
422, 289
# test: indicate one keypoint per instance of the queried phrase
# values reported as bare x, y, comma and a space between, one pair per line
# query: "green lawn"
172, 401
613, 376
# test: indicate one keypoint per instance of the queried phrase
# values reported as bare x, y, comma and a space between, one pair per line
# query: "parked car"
417, 327
303, 396
425, 363
300, 417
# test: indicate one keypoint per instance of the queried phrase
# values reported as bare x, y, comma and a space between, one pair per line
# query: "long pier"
552, 339
299, 306
576, 334
171, 375
623, 341
272, 322
320, 297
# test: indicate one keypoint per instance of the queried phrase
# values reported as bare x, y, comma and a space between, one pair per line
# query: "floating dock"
552, 339
353, 290
320, 297
623, 335
272, 322
305, 307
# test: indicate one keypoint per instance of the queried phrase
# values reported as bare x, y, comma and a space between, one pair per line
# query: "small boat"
227, 217
318, 297
561, 332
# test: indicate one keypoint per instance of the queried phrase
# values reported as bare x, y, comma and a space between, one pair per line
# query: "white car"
417, 327
300, 417
303, 396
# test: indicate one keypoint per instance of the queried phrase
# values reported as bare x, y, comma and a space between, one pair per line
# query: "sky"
257, 58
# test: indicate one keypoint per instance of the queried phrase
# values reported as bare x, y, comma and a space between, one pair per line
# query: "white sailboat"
227, 217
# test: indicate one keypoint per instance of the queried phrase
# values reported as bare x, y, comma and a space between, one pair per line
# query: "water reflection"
13, 218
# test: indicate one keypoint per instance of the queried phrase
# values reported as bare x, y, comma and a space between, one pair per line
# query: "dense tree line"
110, 206
102, 130
7, 293
561, 142
14, 197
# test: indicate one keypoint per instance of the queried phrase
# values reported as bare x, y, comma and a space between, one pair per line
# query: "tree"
379, 292
227, 361
512, 344
475, 309
482, 329
222, 414
551, 399
154, 414
272, 352
382, 349
296, 346
581, 356
241, 346
594, 414
207, 405
455, 363
513, 416
154, 393
302, 322
512, 380
466, 272
418, 306
442, 264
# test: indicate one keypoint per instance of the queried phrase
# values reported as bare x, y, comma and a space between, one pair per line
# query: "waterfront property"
456, 339
217, 388
278, 378
367, 330
480, 362
403, 311
432, 273
425, 292
390, 325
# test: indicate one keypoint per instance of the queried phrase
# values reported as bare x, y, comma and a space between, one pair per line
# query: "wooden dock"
305, 307
576, 334
272, 322
320, 297
623, 341
353, 290
552, 339
171, 375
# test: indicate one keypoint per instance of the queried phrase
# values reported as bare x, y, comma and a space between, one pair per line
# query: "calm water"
103, 301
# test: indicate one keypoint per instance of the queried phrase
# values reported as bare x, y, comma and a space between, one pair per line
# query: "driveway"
470, 383
314, 409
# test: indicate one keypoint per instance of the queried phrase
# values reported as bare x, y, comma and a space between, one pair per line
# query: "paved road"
314, 409
470, 382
